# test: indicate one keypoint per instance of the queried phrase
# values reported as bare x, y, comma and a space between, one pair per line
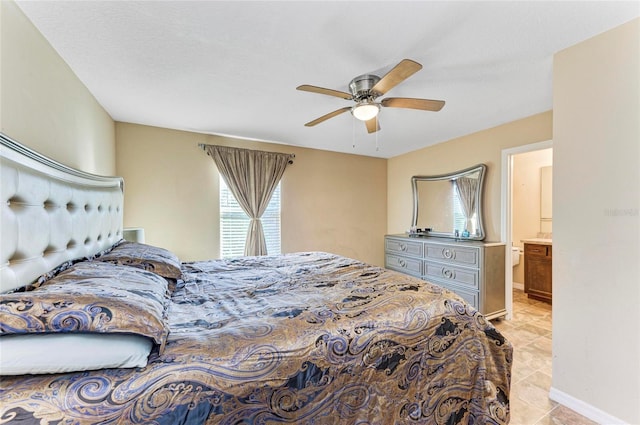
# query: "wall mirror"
449, 205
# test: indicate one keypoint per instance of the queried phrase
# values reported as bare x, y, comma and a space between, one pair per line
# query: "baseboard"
583, 408
518, 285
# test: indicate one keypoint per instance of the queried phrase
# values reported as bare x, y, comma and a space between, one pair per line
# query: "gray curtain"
252, 176
466, 188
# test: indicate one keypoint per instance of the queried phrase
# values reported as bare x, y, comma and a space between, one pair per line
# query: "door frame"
506, 208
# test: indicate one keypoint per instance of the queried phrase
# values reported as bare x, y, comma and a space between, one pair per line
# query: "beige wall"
596, 204
44, 105
330, 201
526, 200
482, 147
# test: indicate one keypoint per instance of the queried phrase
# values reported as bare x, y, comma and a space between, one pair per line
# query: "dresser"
472, 269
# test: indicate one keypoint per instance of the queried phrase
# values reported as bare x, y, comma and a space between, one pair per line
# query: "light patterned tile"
525, 335
561, 415
540, 379
517, 338
520, 371
531, 394
529, 332
531, 327
543, 343
502, 324
525, 414
543, 323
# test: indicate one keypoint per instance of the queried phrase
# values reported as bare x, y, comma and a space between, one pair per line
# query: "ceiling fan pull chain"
353, 130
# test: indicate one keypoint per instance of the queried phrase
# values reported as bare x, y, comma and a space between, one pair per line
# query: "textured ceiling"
232, 67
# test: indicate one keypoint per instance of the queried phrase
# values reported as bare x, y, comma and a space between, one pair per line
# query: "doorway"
507, 221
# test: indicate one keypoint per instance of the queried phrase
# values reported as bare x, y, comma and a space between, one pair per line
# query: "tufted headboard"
51, 213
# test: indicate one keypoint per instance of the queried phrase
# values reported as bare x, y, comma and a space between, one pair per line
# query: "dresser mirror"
449, 205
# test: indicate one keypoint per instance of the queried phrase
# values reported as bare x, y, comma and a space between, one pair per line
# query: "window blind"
459, 219
234, 224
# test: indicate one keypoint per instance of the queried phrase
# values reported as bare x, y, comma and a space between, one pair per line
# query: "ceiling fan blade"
410, 103
322, 90
372, 125
405, 69
327, 116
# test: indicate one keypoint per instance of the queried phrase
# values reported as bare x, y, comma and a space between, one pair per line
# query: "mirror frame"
481, 168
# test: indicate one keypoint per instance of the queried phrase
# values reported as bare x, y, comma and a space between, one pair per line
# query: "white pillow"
69, 352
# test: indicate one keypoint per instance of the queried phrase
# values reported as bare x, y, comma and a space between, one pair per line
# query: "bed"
301, 338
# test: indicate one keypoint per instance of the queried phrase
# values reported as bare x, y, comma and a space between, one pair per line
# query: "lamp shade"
133, 234
365, 111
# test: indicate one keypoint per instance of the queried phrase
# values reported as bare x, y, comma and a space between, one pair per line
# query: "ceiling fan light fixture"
365, 111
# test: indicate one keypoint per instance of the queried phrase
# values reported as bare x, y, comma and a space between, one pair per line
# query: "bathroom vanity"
537, 269
472, 269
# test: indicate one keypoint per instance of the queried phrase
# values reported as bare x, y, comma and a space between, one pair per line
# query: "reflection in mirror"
449, 205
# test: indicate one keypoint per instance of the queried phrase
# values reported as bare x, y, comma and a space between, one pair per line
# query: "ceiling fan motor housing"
361, 87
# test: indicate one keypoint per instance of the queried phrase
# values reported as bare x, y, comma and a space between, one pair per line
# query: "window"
234, 223
459, 218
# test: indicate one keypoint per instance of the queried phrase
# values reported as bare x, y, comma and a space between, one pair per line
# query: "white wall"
596, 218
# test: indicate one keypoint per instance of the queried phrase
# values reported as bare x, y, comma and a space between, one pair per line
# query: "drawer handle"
447, 253
448, 273
402, 263
403, 247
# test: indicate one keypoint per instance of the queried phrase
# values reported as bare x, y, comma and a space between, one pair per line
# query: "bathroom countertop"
539, 241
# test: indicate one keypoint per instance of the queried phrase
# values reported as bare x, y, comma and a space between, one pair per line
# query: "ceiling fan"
365, 89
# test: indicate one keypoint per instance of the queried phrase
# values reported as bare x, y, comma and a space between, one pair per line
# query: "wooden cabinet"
537, 271
473, 270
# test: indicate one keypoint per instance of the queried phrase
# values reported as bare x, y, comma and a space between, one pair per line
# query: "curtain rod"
203, 146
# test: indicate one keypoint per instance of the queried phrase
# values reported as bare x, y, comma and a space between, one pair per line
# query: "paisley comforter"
309, 338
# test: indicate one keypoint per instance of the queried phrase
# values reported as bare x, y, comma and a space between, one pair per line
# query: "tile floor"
530, 334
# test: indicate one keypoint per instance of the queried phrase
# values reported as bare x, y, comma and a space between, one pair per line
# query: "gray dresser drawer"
439, 272
407, 265
469, 296
404, 247
464, 256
